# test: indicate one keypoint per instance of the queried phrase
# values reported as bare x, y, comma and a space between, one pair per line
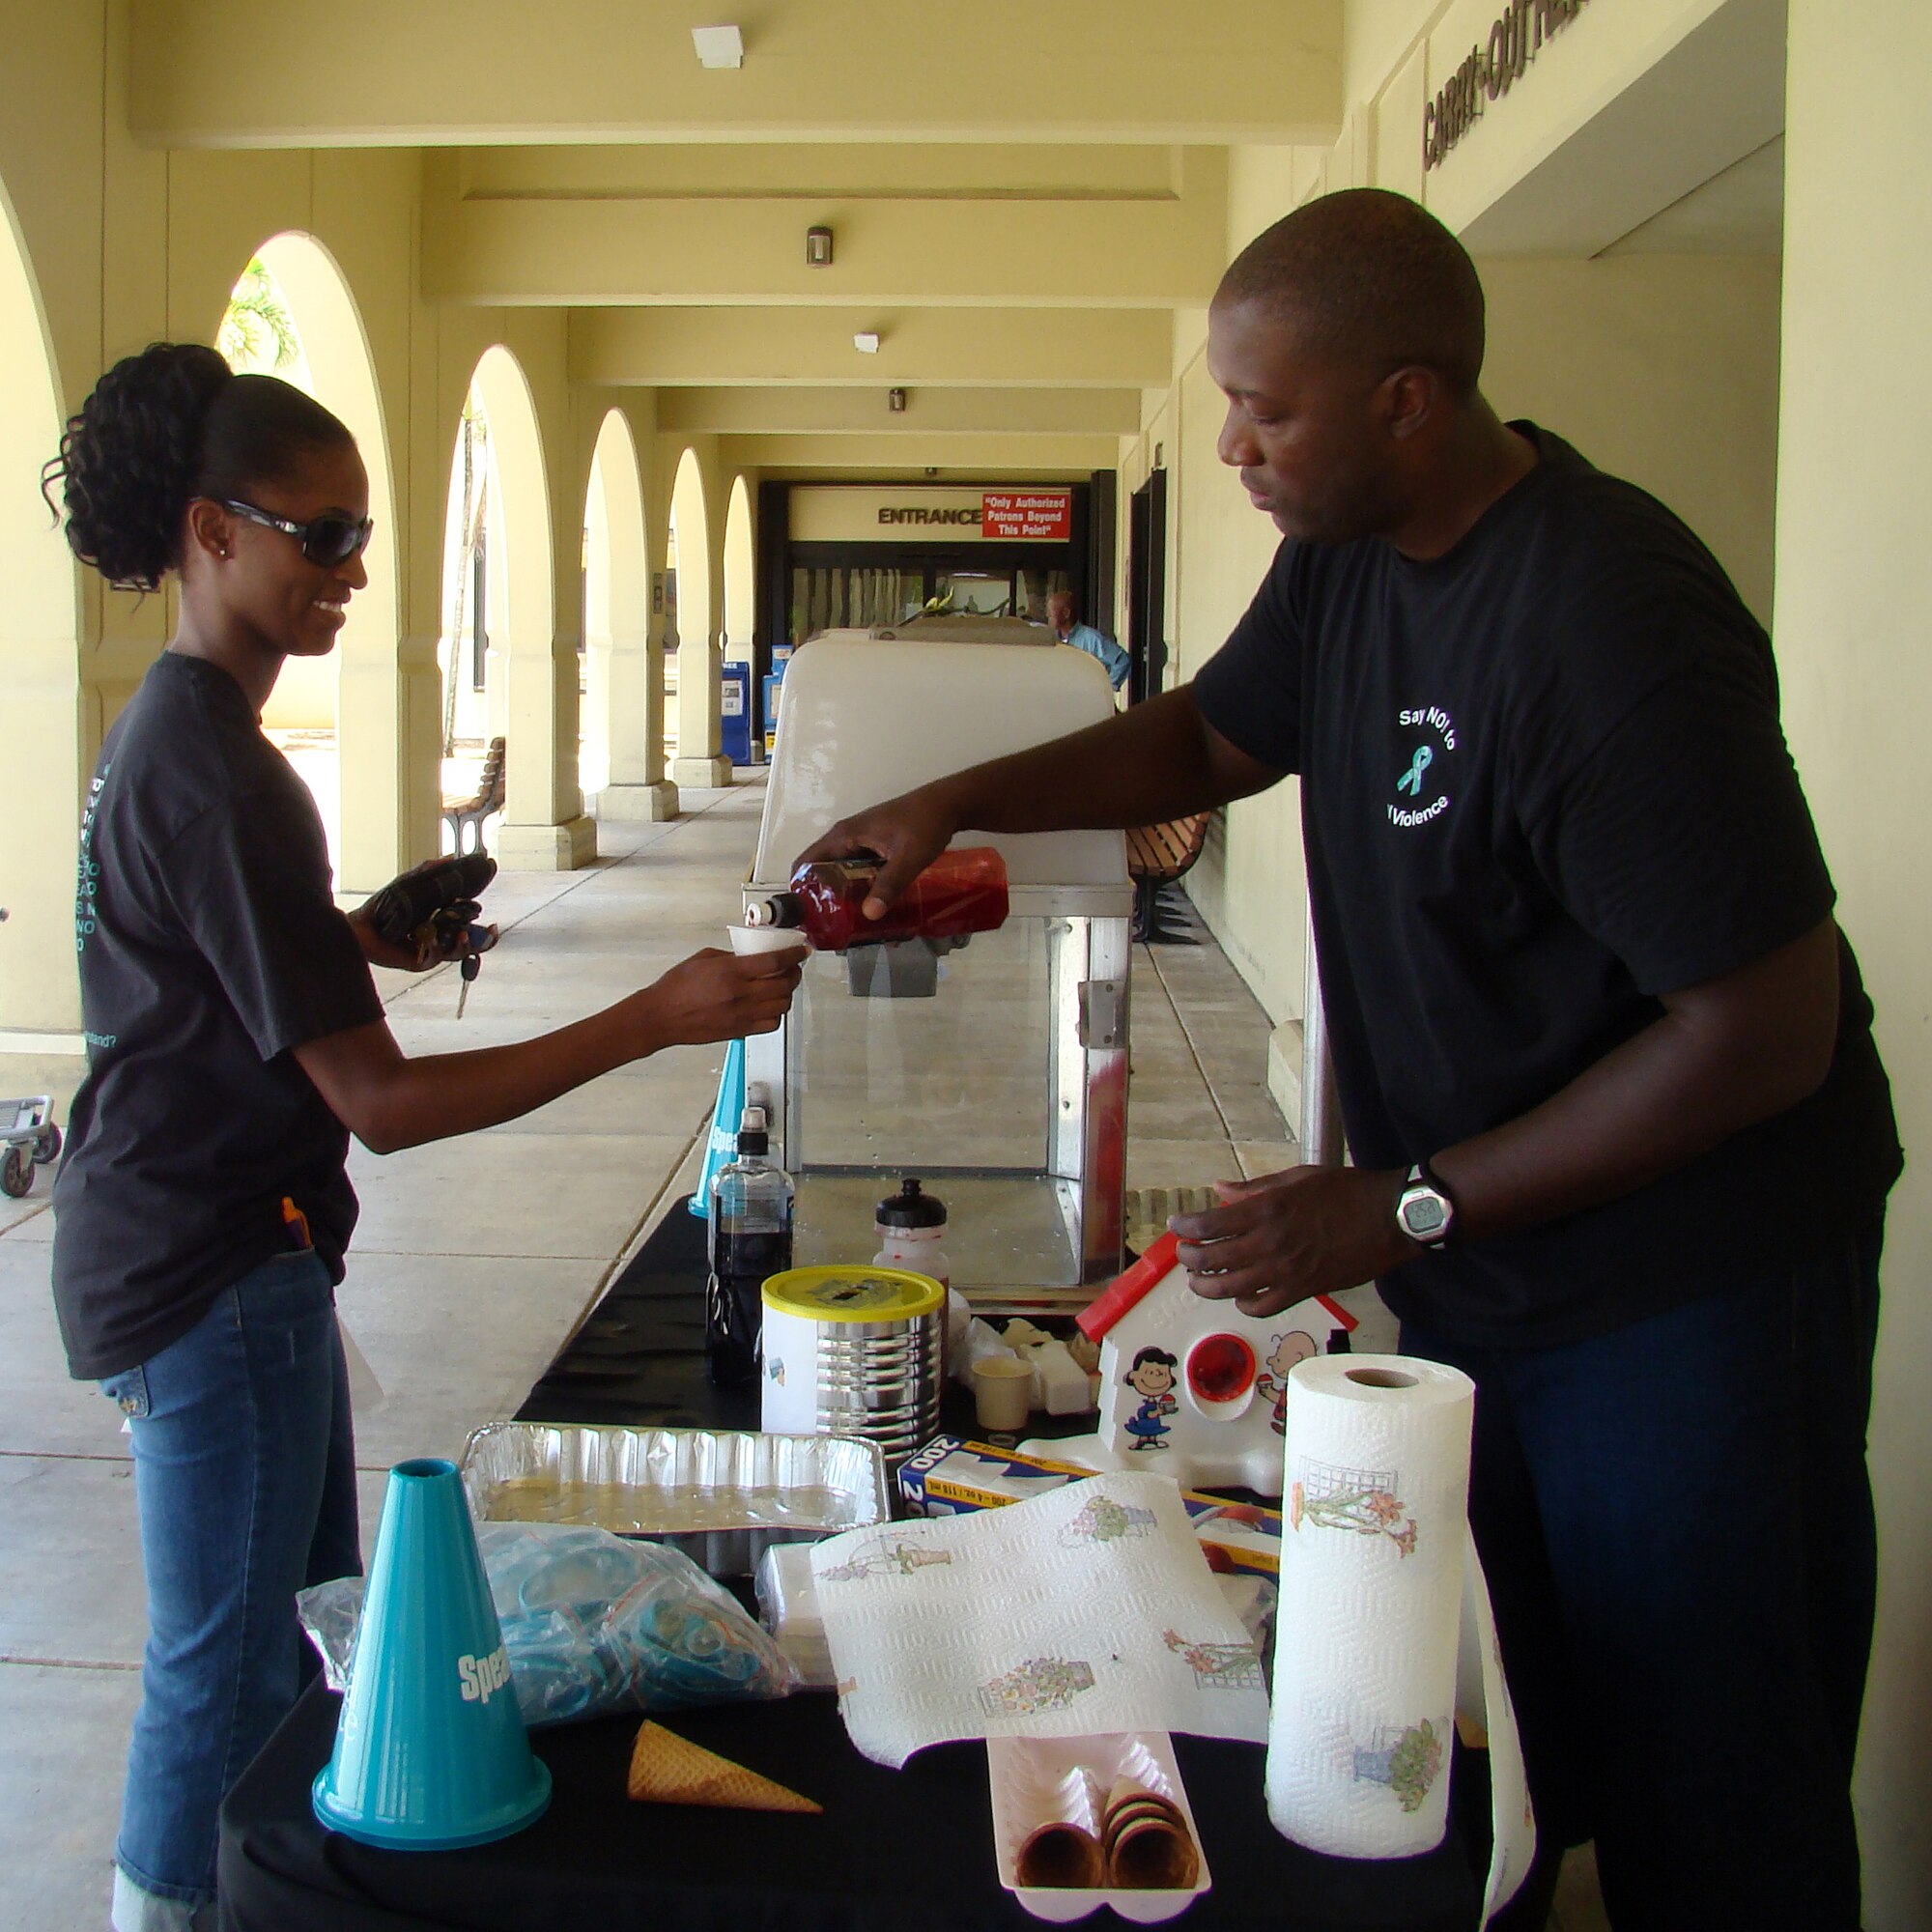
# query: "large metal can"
854, 1350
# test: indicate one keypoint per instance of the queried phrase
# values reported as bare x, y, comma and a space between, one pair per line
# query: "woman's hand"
717, 995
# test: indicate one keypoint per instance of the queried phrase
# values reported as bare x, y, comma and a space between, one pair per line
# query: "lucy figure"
1152, 1375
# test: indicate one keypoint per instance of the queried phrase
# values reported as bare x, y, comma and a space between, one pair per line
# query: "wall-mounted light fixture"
867, 342
719, 46
896, 401
818, 247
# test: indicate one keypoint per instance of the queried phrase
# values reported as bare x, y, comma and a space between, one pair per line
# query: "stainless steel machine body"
1005, 1088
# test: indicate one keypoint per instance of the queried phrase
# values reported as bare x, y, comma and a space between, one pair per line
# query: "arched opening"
621, 760
738, 570
526, 700
340, 720
43, 735
690, 632
470, 671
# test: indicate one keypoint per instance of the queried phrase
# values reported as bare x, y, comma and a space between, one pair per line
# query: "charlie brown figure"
1289, 1349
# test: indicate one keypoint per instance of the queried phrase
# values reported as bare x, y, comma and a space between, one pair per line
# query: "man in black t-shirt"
1622, 1140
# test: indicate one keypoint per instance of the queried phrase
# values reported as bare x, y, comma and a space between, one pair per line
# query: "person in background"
235, 1041
1622, 1138
1114, 661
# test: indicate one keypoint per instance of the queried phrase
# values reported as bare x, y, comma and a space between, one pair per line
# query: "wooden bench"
1157, 855
457, 812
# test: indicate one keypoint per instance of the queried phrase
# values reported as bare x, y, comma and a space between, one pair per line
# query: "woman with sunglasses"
235, 1041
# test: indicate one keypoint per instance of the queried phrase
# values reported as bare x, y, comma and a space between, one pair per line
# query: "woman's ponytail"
131, 461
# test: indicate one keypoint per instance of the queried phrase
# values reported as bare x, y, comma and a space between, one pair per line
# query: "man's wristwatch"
1423, 1209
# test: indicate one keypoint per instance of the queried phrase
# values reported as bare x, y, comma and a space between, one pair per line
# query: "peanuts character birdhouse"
1191, 1388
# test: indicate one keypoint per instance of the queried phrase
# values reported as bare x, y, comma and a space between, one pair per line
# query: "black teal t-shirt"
210, 944
1543, 783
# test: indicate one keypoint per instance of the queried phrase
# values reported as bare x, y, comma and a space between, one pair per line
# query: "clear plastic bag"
593, 1622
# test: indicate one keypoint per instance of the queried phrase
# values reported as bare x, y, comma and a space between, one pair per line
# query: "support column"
388, 731
544, 827
638, 792
700, 700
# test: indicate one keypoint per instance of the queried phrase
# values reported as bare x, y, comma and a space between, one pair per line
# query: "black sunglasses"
327, 540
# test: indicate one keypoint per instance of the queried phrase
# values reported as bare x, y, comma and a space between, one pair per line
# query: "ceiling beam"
259, 73
975, 456
996, 254
822, 411
716, 347
842, 170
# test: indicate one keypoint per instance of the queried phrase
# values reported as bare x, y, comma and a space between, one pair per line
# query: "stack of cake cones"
1146, 1841
666, 1769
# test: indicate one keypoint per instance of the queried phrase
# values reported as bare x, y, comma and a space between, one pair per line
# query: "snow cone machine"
994, 1068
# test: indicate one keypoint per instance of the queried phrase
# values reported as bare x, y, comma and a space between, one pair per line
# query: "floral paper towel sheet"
1088, 1609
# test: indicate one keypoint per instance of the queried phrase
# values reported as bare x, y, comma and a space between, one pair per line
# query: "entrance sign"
1044, 516
929, 514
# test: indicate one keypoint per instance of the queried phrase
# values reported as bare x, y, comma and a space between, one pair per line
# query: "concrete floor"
474, 1260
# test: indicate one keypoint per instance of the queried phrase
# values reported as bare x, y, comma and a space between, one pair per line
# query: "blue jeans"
244, 1477
1677, 1527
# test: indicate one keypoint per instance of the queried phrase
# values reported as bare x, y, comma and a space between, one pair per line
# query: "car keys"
473, 964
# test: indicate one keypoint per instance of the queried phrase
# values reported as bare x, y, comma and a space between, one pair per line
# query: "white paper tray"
1037, 1780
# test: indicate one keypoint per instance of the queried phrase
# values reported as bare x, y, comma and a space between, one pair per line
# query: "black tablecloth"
894, 1850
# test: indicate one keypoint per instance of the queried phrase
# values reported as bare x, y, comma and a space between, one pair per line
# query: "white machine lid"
860, 722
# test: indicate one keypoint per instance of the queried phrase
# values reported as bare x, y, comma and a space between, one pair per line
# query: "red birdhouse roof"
1154, 1266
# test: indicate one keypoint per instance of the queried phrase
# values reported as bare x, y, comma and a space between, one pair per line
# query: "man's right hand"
905, 834
716, 995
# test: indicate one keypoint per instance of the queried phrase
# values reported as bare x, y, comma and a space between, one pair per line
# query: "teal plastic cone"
429, 1750
721, 1150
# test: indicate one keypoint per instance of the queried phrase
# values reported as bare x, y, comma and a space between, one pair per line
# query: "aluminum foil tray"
723, 1496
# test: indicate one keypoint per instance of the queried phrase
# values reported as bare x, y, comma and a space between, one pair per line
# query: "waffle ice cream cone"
666, 1769
1058, 1855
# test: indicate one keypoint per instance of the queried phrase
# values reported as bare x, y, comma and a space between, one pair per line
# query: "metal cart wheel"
48, 1145
17, 1173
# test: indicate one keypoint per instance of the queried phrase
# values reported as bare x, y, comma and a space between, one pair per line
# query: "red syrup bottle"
959, 892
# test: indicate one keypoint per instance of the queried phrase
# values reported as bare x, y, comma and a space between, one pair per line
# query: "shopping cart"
31, 1140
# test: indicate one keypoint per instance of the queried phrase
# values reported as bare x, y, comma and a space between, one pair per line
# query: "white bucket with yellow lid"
854, 1350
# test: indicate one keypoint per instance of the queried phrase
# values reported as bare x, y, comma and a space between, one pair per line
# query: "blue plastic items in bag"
593, 1622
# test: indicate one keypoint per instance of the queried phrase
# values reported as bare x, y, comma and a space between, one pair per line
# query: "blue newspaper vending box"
773, 681
734, 716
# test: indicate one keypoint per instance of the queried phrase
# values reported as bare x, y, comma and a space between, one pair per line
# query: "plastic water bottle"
752, 1203
911, 1226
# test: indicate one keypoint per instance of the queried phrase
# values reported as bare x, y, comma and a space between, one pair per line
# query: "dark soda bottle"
750, 1241
959, 892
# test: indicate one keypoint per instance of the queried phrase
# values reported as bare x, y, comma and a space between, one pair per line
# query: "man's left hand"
1281, 1238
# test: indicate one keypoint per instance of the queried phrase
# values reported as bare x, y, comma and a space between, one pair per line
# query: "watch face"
1424, 1215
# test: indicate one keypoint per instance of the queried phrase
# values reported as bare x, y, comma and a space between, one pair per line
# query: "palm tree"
257, 334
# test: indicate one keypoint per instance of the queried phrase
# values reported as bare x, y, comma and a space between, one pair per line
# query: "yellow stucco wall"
1857, 686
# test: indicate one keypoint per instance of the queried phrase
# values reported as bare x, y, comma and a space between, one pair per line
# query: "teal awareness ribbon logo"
1410, 780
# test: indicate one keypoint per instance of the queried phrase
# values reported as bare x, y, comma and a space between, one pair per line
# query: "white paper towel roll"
1375, 1491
